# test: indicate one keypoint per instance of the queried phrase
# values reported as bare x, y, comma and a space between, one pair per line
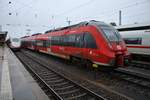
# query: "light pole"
53, 22
120, 15
68, 21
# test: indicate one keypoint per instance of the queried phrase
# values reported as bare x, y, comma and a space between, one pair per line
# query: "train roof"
140, 26
36, 34
67, 27
85, 23
3, 32
24, 36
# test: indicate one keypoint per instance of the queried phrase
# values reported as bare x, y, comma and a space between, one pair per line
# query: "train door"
89, 46
44, 45
48, 45
33, 44
39, 45
79, 45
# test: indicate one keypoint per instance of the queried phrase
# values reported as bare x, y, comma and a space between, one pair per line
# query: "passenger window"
64, 40
89, 41
39, 43
47, 43
55, 40
61, 40
33, 42
79, 40
133, 40
71, 40
44, 43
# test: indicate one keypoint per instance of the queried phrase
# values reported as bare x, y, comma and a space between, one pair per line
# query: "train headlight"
126, 61
118, 47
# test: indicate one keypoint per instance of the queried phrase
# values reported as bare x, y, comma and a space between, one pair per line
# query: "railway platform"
15, 81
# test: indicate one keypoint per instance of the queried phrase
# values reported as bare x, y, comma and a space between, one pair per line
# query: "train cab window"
89, 41
133, 40
15, 40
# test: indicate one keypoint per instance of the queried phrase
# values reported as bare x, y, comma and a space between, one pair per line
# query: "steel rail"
95, 95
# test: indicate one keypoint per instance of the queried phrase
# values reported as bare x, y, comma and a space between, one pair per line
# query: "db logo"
118, 47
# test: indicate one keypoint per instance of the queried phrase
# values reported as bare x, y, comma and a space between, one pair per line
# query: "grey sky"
42, 15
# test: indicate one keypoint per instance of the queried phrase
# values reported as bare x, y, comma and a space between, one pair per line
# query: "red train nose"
119, 60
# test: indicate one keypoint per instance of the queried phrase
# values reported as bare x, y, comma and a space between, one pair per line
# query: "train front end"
115, 49
15, 44
121, 55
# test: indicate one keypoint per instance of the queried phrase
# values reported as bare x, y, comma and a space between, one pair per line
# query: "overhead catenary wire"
25, 6
75, 8
25, 25
113, 12
107, 13
103, 12
18, 9
81, 5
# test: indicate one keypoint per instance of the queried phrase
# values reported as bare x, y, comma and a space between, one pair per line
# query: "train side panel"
138, 42
95, 41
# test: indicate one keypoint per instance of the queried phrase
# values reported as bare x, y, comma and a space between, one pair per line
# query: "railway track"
114, 78
56, 86
133, 76
140, 64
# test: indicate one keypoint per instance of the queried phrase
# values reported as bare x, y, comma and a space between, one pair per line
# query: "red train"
94, 43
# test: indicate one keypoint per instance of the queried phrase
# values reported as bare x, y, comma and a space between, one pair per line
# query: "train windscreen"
110, 33
15, 40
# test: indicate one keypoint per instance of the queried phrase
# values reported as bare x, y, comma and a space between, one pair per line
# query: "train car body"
93, 41
15, 44
137, 38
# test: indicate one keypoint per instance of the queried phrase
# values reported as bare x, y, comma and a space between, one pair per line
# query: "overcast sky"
40, 15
